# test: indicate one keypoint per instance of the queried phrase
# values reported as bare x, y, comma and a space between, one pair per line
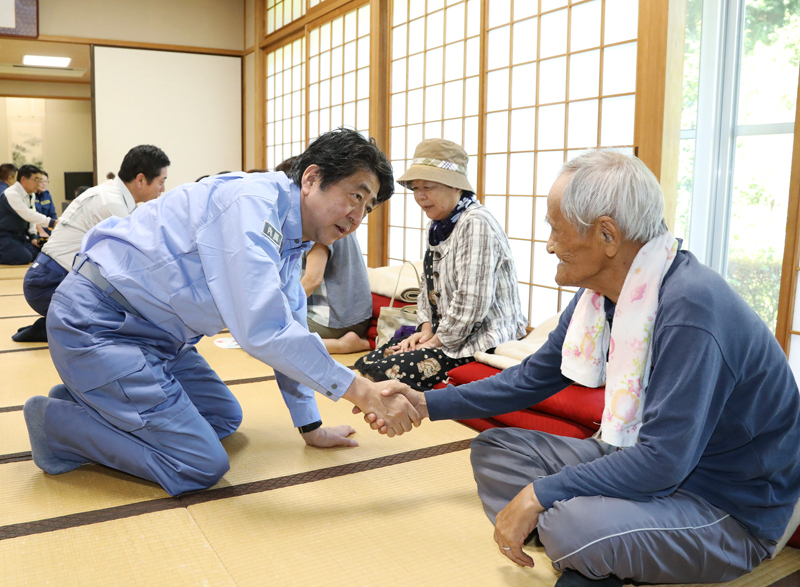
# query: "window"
282, 12
740, 88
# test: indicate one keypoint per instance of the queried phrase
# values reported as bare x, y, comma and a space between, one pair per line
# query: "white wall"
196, 23
187, 104
67, 137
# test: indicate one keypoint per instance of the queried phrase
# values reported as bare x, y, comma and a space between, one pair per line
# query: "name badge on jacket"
272, 234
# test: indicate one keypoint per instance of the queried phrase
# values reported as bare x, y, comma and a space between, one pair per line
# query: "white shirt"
84, 212
24, 204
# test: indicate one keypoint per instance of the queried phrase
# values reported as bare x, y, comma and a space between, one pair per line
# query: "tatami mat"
12, 306
265, 446
30, 494
10, 286
9, 326
418, 523
24, 374
159, 549
13, 271
13, 433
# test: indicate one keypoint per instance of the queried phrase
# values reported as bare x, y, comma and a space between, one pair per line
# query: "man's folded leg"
675, 539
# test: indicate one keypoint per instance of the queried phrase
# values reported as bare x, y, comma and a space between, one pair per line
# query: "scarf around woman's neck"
441, 229
628, 343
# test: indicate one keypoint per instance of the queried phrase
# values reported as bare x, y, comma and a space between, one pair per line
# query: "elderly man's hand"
395, 411
390, 388
514, 524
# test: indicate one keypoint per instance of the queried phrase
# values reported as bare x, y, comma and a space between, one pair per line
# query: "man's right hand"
395, 412
395, 388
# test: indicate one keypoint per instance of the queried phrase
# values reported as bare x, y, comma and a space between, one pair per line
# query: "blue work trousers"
41, 281
146, 403
16, 249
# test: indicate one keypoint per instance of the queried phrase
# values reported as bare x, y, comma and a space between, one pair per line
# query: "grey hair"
608, 183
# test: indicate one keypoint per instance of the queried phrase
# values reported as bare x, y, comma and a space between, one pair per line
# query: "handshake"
390, 407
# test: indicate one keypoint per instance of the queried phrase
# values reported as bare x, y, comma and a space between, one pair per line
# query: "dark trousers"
677, 538
16, 249
41, 280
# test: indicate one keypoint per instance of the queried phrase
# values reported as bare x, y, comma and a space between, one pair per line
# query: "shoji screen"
286, 106
561, 78
435, 93
338, 81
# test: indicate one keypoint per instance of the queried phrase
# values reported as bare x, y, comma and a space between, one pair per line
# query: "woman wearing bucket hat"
469, 298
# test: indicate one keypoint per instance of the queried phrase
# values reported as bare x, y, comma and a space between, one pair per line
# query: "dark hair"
110, 175
45, 173
201, 178
340, 154
256, 171
146, 159
80, 190
6, 170
286, 165
27, 170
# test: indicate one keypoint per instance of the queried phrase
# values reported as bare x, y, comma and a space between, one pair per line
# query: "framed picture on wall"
19, 18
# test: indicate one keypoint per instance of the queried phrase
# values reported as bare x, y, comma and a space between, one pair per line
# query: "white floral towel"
588, 340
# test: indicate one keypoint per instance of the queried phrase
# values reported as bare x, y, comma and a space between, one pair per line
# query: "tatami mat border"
24, 316
157, 505
35, 348
10, 409
15, 457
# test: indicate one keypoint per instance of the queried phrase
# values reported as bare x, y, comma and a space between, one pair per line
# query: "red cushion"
533, 420
372, 333
576, 403
471, 372
795, 539
379, 301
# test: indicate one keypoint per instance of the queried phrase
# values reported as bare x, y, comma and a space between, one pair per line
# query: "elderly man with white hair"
694, 474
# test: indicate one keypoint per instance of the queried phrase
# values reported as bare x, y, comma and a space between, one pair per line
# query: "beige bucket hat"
441, 161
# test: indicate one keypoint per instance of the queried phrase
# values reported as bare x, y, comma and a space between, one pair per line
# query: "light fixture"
42, 61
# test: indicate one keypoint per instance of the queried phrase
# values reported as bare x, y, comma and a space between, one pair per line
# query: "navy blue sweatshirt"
721, 416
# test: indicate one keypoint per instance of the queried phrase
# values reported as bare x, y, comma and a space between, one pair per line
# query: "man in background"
19, 238
141, 178
8, 175
44, 203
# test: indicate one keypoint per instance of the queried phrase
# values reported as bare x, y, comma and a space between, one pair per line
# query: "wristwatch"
310, 427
